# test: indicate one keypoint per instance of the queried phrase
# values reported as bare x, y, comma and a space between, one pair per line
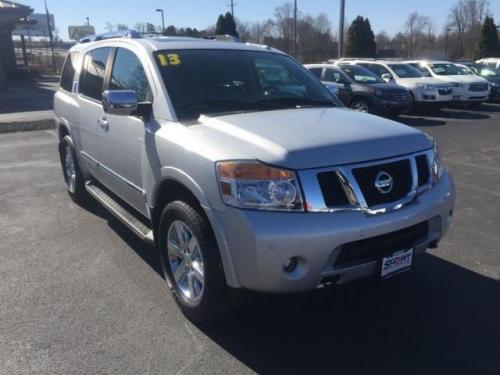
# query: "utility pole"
446, 44
162, 20
295, 29
88, 21
341, 29
232, 7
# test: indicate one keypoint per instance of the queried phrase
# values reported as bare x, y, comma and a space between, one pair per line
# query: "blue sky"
389, 15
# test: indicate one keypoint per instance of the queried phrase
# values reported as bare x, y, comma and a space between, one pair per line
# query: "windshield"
230, 81
405, 71
446, 69
486, 71
360, 74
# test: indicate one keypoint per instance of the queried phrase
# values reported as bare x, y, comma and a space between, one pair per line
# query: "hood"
462, 79
413, 82
314, 137
384, 86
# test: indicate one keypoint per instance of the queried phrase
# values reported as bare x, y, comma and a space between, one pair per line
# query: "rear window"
68, 72
94, 67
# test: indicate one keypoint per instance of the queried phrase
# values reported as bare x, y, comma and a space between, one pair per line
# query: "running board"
142, 230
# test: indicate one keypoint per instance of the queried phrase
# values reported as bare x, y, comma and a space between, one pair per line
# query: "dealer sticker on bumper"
397, 262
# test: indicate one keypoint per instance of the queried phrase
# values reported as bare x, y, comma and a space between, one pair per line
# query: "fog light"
290, 265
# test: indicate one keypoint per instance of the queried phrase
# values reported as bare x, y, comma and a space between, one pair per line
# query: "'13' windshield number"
170, 59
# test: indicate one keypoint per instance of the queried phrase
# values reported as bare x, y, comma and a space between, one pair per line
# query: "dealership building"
10, 15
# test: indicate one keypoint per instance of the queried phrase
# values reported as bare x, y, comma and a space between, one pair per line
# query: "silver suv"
235, 162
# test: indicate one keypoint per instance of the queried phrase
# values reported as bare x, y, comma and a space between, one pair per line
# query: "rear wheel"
73, 177
191, 262
361, 105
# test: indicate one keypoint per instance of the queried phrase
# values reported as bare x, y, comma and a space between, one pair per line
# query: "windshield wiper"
294, 102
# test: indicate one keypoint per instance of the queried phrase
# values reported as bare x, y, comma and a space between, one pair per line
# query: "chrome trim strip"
314, 196
100, 165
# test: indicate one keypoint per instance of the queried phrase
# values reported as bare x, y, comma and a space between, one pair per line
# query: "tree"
418, 28
370, 40
170, 31
360, 39
383, 40
489, 45
220, 27
230, 25
466, 18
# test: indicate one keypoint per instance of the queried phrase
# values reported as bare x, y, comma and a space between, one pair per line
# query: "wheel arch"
179, 186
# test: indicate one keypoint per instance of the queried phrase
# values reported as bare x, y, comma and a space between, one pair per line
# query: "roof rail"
132, 34
224, 38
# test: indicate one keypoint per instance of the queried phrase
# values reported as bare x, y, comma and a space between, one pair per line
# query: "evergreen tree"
371, 45
230, 25
220, 27
361, 39
489, 45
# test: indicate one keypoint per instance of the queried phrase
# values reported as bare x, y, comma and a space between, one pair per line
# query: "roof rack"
131, 34
224, 38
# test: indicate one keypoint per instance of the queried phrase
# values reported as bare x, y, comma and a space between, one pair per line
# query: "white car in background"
427, 92
490, 62
468, 89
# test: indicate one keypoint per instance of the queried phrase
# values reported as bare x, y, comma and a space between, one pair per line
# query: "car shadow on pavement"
438, 319
488, 107
144, 250
420, 121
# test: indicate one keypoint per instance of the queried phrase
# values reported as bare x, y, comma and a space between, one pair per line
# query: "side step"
137, 226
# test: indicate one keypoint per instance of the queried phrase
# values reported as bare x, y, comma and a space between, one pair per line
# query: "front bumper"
260, 242
462, 95
383, 105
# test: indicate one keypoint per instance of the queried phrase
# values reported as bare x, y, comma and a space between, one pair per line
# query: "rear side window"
378, 69
68, 72
128, 74
316, 71
94, 67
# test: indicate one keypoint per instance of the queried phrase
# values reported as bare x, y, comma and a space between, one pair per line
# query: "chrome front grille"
355, 187
478, 87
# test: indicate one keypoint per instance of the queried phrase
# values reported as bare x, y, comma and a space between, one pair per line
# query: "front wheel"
191, 262
360, 105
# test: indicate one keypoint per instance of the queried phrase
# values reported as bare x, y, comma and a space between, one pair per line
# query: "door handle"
103, 123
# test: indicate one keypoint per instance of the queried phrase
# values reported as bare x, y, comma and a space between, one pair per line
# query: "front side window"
128, 74
361, 75
68, 72
332, 75
216, 81
94, 66
405, 71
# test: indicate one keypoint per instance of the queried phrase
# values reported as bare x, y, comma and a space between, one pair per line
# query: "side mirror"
387, 77
120, 102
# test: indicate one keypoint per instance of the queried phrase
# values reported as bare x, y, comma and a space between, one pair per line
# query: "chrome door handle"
103, 123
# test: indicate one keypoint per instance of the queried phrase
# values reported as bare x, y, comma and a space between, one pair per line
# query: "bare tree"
383, 40
465, 20
141, 27
109, 27
418, 29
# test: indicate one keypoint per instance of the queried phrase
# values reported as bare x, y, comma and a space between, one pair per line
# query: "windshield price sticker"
169, 59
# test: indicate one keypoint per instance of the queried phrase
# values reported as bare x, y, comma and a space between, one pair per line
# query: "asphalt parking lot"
79, 294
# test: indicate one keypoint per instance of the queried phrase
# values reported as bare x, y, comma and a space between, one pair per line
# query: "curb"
12, 127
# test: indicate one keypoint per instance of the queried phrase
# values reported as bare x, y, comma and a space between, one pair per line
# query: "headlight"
437, 168
457, 84
259, 186
495, 84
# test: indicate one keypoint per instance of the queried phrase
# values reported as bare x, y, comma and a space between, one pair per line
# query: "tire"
360, 105
192, 264
73, 176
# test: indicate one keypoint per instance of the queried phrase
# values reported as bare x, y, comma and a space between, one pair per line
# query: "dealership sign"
38, 28
78, 32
